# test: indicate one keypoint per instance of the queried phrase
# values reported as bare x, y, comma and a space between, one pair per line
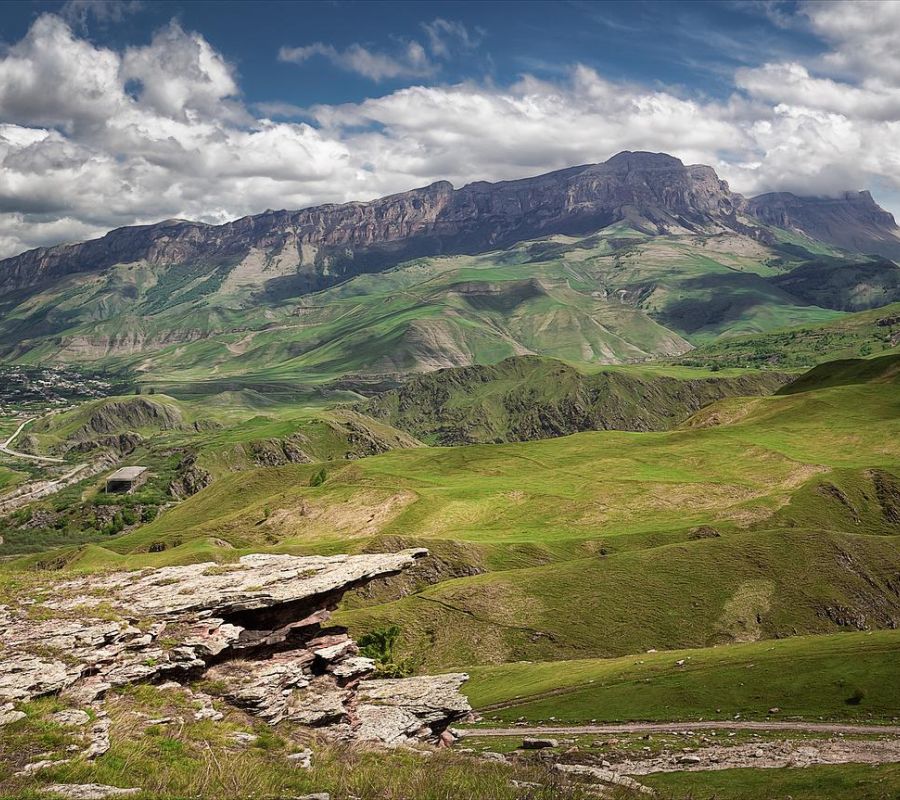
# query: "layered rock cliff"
651, 191
256, 629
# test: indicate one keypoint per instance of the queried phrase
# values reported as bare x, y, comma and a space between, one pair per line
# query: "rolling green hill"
615, 297
758, 518
526, 397
858, 335
803, 676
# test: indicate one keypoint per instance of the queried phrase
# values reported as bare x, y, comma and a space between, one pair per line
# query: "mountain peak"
643, 160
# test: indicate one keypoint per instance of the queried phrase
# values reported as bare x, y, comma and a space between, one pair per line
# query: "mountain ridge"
316, 247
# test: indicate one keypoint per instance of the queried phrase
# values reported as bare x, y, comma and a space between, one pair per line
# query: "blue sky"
128, 111
693, 45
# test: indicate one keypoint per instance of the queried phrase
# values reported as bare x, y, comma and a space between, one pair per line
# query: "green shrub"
381, 645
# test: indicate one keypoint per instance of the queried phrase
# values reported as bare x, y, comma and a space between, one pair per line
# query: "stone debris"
256, 629
87, 791
99, 739
70, 717
605, 776
9, 714
303, 759
37, 766
538, 744
396, 711
773, 754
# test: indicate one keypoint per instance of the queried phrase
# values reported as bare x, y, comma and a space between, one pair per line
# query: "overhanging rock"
257, 627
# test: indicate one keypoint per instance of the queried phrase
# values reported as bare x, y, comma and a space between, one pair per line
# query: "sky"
132, 111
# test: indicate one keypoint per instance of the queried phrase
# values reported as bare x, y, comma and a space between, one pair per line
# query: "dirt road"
6, 447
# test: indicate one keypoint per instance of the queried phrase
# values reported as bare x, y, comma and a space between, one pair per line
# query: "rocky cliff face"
319, 246
651, 191
256, 629
853, 220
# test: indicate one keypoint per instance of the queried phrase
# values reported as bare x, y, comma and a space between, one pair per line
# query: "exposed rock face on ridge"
853, 220
652, 191
257, 627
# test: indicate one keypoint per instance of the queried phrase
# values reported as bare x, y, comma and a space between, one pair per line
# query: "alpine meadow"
433, 401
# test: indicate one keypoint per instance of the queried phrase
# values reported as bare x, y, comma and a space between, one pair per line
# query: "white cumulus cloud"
92, 138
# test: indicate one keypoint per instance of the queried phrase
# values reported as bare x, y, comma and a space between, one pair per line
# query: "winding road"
5, 447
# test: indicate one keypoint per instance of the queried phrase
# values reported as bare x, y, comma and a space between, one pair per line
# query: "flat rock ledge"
257, 629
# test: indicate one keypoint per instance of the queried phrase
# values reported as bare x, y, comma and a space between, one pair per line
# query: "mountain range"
638, 257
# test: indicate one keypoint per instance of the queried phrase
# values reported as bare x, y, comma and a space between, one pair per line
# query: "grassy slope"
844, 782
805, 677
589, 486
866, 333
603, 299
883, 369
527, 398
587, 534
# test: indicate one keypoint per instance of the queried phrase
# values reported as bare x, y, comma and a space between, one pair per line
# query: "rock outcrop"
256, 628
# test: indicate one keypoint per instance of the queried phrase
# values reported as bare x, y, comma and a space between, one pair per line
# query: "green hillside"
866, 333
604, 299
527, 397
804, 677
759, 518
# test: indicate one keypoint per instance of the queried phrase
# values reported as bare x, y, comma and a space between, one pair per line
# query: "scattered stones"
538, 744
99, 739
9, 714
37, 766
766, 755
303, 759
70, 717
87, 791
605, 776
243, 738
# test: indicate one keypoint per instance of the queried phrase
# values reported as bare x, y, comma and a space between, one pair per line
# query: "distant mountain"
652, 192
852, 221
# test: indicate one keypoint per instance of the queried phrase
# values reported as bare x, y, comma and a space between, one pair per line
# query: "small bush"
381, 645
856, 697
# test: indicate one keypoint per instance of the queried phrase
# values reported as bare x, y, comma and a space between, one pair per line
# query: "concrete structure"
126, 479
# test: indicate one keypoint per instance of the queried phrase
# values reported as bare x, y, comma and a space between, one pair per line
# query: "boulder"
87, 791
538, 744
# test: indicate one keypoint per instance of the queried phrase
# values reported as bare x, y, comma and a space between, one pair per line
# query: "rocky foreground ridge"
257, 629
316, 247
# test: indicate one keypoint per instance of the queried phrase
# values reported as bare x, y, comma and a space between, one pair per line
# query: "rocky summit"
257, 629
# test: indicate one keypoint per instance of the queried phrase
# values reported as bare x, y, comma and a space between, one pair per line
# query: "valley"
609, 457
